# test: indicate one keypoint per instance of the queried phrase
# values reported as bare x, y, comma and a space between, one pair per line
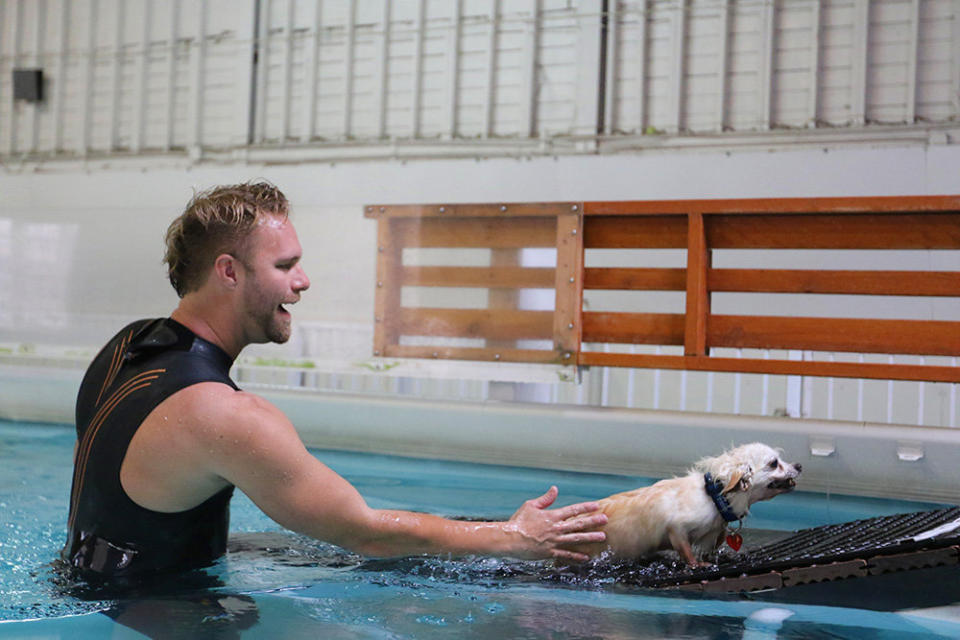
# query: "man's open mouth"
786, 484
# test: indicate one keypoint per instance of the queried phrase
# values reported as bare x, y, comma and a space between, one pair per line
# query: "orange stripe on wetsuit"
114, 364
136, 383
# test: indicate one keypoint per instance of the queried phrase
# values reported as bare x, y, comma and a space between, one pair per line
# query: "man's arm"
255, 447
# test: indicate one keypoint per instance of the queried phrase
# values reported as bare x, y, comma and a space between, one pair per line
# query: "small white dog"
692, 513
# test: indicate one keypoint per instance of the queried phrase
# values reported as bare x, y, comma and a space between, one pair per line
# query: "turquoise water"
274, 584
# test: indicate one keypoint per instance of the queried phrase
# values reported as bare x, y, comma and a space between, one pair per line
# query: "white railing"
893, 402
334, 357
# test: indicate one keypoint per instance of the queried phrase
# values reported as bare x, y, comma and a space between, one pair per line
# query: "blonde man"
164, 434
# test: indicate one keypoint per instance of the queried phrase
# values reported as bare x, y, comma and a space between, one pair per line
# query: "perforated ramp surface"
909, 561
860, 548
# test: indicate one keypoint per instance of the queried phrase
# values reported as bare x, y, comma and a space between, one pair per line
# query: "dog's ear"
739, 480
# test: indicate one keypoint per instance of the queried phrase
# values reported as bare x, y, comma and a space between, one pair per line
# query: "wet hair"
217, 221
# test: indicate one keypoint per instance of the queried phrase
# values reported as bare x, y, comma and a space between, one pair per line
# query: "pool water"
275, 584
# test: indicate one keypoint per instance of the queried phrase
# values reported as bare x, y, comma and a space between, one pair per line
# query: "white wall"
126, 76
90, 243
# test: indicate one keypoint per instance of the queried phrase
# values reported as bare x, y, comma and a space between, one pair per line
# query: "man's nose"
302, 282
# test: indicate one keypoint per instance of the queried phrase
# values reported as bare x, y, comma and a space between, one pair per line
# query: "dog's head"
752, 471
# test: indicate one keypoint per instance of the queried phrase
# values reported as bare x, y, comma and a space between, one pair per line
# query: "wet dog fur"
678, 514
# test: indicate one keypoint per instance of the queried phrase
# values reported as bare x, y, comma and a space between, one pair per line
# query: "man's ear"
225, 269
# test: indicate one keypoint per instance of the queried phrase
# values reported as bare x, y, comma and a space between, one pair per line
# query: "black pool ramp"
867, 548
902, 562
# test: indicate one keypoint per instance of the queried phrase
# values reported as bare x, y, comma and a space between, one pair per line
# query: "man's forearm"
402, 533
534, 531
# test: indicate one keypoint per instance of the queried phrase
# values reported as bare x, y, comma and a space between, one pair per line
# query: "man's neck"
207, 327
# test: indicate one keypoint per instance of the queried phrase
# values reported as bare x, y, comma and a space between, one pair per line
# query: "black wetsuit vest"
110, 536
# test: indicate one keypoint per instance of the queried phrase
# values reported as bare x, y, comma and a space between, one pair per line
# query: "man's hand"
546, 533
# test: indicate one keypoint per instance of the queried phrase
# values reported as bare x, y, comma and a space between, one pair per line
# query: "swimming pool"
274, 584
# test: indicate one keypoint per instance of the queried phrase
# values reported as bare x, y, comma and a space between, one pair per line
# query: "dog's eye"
773, 464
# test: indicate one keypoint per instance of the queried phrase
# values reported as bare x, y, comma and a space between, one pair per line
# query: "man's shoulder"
222, 404
217, 417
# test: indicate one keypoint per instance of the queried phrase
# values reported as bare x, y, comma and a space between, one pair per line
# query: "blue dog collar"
715, 491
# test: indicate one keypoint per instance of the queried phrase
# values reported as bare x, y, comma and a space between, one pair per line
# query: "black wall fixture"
28, 85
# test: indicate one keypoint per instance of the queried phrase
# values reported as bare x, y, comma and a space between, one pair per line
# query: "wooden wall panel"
700, 227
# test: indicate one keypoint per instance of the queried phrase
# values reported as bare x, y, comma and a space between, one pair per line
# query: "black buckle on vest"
93, 553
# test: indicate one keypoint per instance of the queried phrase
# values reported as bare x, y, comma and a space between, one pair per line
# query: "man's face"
273, 277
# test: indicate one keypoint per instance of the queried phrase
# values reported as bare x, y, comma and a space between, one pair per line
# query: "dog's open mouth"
786, 484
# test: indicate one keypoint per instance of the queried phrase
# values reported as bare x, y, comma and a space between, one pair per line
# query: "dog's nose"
798, 467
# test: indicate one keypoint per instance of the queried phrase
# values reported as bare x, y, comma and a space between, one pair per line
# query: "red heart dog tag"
735, 541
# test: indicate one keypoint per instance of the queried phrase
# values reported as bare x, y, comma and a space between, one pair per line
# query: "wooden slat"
503, 277
749, 206
698, 297
627, 279
387, 294
919, 337
777, 367
878, 283
633, 328
492, 233
775, 205
493, 324
496, 210
642, 232
819, 231
477, 353
569, 285
915, 337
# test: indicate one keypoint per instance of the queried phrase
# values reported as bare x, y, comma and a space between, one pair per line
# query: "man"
164, 435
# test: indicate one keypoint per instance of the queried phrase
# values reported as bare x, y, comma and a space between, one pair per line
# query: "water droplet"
432, 620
